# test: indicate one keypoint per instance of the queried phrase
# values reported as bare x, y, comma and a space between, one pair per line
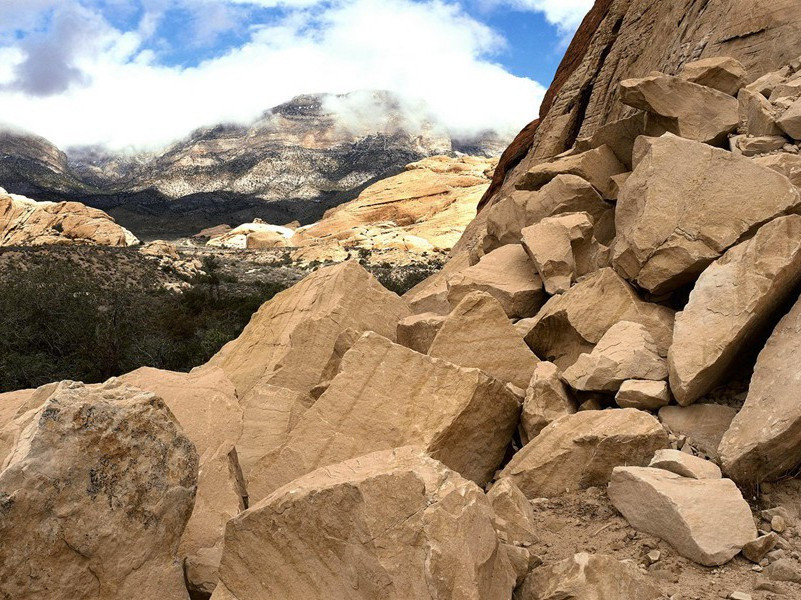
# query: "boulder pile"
351, 443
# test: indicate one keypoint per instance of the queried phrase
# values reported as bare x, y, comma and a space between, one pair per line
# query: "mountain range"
292, 164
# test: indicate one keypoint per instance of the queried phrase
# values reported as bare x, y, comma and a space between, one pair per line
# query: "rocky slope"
300, 159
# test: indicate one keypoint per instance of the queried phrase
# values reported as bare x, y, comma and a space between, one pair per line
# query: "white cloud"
428, 50
565, 14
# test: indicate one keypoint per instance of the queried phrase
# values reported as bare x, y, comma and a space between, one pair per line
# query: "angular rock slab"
685, 204
705, 520
572, 323
508, 275
685, 465
730, 304
387, 396
514, 517
626, 351
95, 497
790, 121
418, 331
393, 525
588, 577
703, 424
579, 451
788, 165
290, 339
547, 399
721, 73
764, 440
478, 334
643, 394
686, 109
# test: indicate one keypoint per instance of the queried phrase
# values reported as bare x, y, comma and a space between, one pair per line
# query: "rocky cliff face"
294, 163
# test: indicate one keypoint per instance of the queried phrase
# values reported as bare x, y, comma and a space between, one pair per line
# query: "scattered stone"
595, 166
626, 351
751, 146
790, 121
393, 524
703, 424
685, 465
514, 517
739, 596
785, 569
572, 323
777, 524
418, 331
686, 109
579, 451
643, 394
386, 396
478, 334
730, 304
721, 73
289, 341
95, 498
588, 577
705, 520
685, 204
508, 275
758, 549
547, 399
653, 556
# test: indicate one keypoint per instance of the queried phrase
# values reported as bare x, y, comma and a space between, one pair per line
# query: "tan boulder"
204, 402
764, 440
626, 351
221, 495
752, 146
95, 497
289, 340
685, 204
757, 114
731, 303
269, 414
387, 396
508, 275
393, 525
721, 73
589, 577
478, 334
547, 399
619, 136
260, 240
418, 331
705, 520
563, 194
21, 408
514, 518
572, 323
160, 249
790, 120
702, 424
10, 404
686, 109
788, 165
596, 166
684, 464
579, 451
643, 394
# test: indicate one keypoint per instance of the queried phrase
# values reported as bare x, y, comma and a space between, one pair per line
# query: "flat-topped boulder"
95, 498
705, 520
508, 275
572, 323
580, 450
692, 111
643, 394
387, 396
394, 524
730, 305
764, 440
721, 73
289, 340
478, 334
685, 204
684, 464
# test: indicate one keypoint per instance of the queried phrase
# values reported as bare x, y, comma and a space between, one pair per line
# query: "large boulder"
588, 577
547, 399
730, 305
418, 331
685, 204
580, 450
721, 73
572, 323
478, 334
514, 517
679, 106
387, 396
705, 520
788, 165
643, 394
790, 121
289, 340
764, 440
626, 351
95, 498
393, 525
508, 275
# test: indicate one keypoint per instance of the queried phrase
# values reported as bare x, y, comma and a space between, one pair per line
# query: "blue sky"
141, 73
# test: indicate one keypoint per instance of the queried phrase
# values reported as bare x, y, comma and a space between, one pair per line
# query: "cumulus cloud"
565, 14
432, 54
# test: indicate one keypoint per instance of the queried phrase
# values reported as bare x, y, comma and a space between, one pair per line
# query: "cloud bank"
77, 79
